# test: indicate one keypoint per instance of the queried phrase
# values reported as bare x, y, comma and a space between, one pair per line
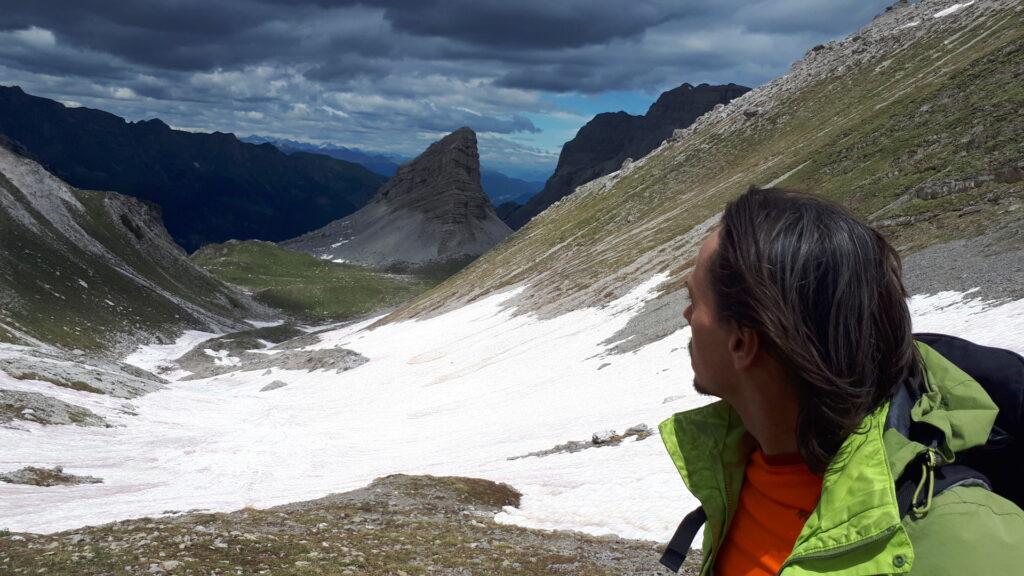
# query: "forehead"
707, 250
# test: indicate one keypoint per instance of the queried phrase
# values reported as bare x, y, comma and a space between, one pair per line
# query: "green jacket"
855, 528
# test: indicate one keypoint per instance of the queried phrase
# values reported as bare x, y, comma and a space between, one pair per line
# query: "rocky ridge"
604, 143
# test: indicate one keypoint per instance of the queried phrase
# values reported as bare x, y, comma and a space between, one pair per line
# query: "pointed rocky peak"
433, 210
447, 169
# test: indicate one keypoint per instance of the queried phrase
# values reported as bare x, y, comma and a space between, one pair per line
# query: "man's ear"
744, 344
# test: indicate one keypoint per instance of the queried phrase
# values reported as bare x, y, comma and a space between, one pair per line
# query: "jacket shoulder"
968, 529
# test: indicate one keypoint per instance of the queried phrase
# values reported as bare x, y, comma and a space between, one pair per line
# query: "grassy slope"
303, 285
41, 279
944, 107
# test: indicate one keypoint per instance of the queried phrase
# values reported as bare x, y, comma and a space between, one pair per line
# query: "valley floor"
456, 395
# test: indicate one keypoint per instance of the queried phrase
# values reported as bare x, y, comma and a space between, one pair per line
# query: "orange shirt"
778, 494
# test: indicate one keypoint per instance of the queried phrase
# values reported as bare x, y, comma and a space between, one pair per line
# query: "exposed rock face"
434, 210
210, 187
55, 476
603, 144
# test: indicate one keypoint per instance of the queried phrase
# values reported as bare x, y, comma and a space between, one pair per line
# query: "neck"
770, 412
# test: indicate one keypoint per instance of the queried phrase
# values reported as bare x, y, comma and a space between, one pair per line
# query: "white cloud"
36, 37
123, 93
333, 111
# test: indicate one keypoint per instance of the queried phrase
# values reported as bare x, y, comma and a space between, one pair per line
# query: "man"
800, 325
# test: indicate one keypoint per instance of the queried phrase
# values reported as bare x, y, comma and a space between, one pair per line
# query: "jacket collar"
857, 516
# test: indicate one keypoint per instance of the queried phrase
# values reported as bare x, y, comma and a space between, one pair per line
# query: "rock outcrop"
610, 138
433, 211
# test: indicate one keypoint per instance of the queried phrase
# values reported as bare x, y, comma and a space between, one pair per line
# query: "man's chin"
701, 389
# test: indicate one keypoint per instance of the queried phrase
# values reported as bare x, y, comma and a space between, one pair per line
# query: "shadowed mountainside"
210, 187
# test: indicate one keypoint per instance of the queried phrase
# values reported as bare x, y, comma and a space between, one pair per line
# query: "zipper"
720, 538
838, 550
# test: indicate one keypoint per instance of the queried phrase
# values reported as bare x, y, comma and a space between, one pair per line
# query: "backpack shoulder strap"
679, 546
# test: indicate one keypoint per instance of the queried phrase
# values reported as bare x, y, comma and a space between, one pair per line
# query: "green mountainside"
96, 271
303, 285
914, 122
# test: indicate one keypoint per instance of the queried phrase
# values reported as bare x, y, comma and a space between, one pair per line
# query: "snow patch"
952, 9
222, 357
157, 358
263, 324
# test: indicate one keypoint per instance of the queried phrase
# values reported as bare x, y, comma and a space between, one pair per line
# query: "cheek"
709, 342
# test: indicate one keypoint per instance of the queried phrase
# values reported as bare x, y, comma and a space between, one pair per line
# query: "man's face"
713, 370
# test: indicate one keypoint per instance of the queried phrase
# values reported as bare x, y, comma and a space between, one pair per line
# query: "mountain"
210, 187
383, 164
432, 212
97, 271
610, 138
501, 188
912, 122
498, 186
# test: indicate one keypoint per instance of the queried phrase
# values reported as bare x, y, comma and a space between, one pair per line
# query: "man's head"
792, 287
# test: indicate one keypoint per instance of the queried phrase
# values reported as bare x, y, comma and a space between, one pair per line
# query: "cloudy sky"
393, 76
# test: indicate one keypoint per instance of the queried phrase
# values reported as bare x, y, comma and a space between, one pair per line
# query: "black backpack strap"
679, 546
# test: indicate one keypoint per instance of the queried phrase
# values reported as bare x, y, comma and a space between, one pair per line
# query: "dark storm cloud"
517, 25
385, 74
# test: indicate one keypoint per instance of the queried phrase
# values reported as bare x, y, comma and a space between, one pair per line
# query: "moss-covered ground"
303, 285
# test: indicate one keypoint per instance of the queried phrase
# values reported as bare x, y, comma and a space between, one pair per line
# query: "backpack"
992, 466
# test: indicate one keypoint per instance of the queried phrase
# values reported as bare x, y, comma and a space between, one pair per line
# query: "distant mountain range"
603, 144
499, 187
210, 187
383, 164
432, 213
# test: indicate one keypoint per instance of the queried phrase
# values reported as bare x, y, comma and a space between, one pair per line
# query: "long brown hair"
824, 291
